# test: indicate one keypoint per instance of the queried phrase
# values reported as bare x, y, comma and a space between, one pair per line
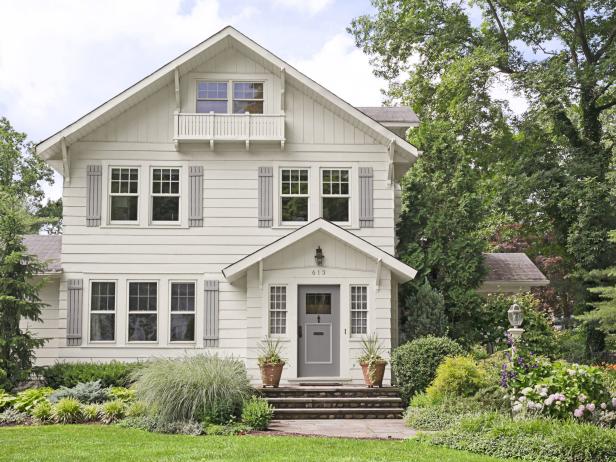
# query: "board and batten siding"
316, 136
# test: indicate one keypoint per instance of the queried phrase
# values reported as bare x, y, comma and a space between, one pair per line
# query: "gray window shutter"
266, 197
94, 191
195, 196
210, 328
366, 197
74, 309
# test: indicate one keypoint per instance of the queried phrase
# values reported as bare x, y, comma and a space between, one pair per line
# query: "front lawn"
110, 443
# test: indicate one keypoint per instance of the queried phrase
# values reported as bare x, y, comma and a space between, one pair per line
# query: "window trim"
110, 195
193, 312
151, 196
269, 311
307, 195
230, 94
233, 98
91, 311
157, 312
348, 196
366, 310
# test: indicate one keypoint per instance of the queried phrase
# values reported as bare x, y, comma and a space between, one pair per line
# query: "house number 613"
318, 272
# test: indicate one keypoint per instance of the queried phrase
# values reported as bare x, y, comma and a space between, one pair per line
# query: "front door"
318, 331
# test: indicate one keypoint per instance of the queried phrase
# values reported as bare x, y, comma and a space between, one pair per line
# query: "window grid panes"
212, 97
124, 192
294, 194
182, 327
248, 97
335, 194
359, 310
102, 311
278, 310
142, 311
165, 194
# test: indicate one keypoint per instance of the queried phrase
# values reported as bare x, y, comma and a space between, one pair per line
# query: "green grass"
110, 443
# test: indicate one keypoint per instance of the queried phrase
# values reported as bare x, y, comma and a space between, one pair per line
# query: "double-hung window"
294, 195
278, 310
182, 312
165, 194
335, 194
124, 193
142, 311
248, 97
102, 311
359, 310
212, 97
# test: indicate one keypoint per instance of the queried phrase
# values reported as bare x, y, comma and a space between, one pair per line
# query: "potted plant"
372, 362
270, 362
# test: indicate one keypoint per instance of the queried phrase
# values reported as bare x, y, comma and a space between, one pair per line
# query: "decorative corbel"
390, 165
260, 274
177, 90
283, 74
379, 270
66, 162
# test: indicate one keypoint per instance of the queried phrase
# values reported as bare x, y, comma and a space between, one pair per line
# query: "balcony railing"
214, 127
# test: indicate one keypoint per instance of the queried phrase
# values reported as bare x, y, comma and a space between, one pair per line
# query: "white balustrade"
229, 127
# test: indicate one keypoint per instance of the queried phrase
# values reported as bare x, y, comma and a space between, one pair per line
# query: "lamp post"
516, 317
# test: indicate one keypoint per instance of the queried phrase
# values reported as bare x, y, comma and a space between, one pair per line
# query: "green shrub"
136, 409
112, 411
571, 345
457, 376
91, 412
6, 399
426, 414
113, 374
233, 428
180, 428
147, 423
67, 410
414, 363
11, 416
198, 388
89, 392
42, 411
530, 439
122, 393
257, 413
26, 400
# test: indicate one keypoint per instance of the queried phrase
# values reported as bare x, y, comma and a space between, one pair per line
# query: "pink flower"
578, 413
591, 407
603, 406
614, 402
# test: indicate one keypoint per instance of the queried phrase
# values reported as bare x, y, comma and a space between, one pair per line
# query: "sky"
59, 59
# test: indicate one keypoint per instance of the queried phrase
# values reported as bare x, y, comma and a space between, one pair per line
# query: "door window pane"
318, 304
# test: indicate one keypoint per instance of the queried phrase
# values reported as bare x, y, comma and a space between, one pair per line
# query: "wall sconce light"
319, 257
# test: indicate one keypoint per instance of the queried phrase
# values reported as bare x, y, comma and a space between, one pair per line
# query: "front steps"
334, 402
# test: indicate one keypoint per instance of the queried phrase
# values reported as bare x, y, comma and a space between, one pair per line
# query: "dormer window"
229, 97
212, 97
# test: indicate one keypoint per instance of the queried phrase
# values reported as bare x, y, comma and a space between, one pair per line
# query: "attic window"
248, 97
212, 97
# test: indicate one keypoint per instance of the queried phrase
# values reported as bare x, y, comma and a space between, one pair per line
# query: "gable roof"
513, 268
47, 248
404, 272
51, 147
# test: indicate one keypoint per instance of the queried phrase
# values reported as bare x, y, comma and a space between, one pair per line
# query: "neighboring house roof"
51, 147
404, 272
47, 248
511, 270
401, 114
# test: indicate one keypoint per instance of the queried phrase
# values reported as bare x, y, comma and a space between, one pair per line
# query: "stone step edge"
329, 389
341, 399
339, 410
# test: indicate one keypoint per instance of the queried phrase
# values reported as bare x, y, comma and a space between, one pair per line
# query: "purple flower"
591, 407
578, 413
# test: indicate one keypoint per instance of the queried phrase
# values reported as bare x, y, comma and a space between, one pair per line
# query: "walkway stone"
347, 428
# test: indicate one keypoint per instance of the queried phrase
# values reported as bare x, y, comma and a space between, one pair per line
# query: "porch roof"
403, 272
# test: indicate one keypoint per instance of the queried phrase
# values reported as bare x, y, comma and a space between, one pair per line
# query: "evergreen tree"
425, 314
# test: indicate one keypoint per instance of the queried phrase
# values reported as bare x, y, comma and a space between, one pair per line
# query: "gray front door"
318, 331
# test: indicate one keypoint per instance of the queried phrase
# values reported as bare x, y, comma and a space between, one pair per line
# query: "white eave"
51, 147
403, 272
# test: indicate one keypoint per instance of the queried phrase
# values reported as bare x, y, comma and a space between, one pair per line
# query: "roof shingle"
512, 267
382, 114
47, 248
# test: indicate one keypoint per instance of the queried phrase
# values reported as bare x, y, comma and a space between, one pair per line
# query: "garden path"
345, 428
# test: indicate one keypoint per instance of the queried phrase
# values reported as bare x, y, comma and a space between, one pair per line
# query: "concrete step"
336, 402
339, 413
329, 392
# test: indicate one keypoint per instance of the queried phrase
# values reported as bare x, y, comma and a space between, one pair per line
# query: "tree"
51, 213
19, 288
21, 170
425, 314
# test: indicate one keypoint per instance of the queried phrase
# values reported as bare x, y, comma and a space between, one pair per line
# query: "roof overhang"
51, 148
403, 272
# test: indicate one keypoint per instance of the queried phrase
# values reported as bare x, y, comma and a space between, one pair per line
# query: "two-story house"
224, 198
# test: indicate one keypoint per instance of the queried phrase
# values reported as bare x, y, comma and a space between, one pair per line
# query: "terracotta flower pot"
270, 374
376, 378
